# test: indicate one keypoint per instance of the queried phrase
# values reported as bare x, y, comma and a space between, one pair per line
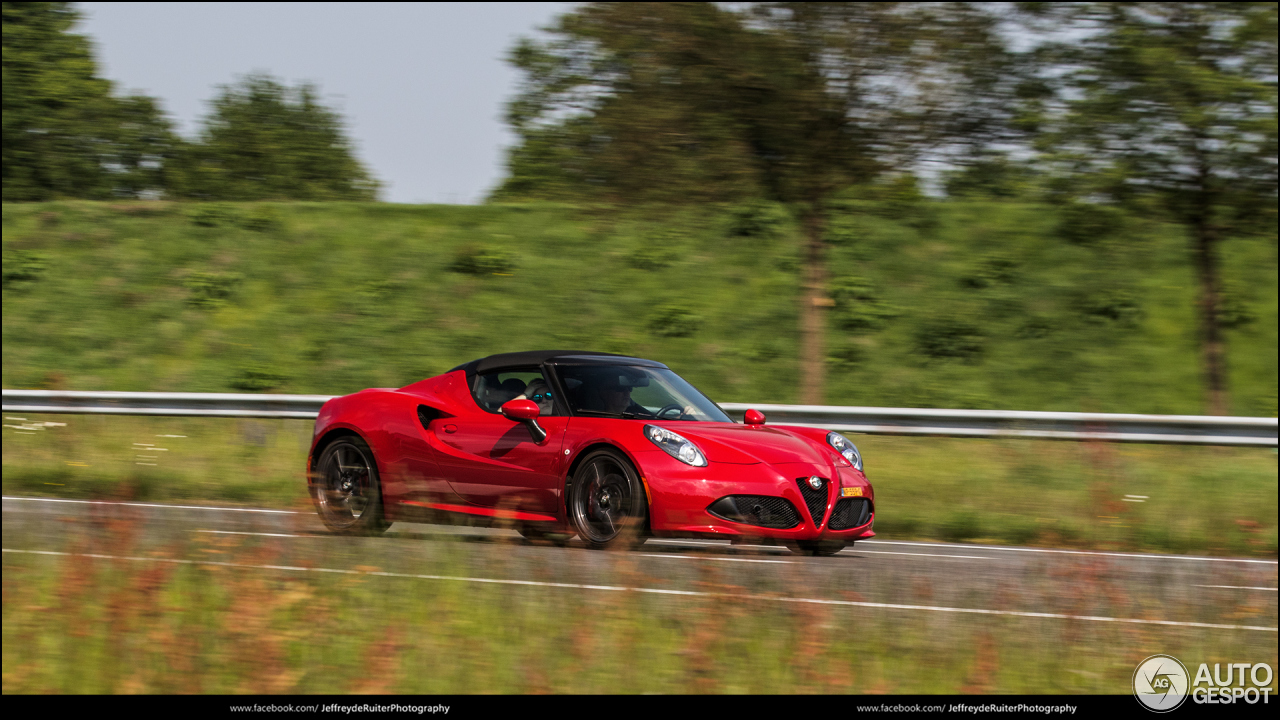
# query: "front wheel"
607, 503
346, 490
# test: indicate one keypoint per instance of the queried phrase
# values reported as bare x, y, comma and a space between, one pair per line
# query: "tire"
606, 502
823, 548
346, 489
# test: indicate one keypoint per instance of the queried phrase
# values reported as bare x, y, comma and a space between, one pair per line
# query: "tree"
65, 134
633, 103
683, 102
877, 87
789, 101
263, 141
146, 151
1175, 102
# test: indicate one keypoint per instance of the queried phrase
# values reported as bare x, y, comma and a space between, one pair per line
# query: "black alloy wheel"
345, 488
607, 503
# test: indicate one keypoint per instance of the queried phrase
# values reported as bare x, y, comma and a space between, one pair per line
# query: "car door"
494, 462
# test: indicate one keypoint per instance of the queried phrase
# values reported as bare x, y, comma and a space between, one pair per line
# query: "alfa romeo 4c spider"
610, 448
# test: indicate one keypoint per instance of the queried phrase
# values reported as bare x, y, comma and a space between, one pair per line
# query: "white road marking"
679, 557
1010, 548
659, 591
236, 532
938, 555
961, 546
150, 505
724, 543
1236, 587
712, 557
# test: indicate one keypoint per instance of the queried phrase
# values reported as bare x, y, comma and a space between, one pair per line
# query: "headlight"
845, 447
675, 445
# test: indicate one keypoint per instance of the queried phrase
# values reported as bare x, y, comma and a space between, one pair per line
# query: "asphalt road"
1219, 594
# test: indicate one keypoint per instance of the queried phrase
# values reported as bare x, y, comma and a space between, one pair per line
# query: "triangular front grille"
815, 500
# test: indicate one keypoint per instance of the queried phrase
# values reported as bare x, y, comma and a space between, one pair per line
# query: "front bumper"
683, 501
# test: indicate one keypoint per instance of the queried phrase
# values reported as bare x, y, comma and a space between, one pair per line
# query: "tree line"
68, 134
1161, 109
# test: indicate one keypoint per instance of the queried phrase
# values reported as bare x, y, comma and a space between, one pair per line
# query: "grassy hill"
945, 304
937, 304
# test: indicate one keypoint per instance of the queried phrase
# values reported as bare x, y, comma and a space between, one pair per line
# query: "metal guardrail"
1178, 429
244, 405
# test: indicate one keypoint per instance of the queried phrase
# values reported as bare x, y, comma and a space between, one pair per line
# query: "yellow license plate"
851, 492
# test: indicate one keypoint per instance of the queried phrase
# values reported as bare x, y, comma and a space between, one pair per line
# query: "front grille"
816, 500
850, 513
761, 510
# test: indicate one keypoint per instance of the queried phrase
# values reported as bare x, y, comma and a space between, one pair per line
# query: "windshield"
635, 392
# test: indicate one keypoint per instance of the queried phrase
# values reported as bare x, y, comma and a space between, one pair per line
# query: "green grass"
943, 304
253, 462
959, 304
1062, 494
1038, 492
75, 624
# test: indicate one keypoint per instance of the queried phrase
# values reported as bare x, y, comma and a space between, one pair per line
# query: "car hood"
741, 444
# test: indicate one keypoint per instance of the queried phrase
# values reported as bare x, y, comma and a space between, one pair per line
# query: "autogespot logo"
1160, 683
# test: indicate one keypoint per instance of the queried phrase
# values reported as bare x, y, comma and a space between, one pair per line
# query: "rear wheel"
606, 502
346, 490
816, 547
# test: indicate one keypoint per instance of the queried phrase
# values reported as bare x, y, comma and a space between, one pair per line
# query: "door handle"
451, 429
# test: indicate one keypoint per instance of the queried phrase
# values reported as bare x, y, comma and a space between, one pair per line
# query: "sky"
422, 87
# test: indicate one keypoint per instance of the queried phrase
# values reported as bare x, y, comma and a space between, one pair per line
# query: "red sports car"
614, 449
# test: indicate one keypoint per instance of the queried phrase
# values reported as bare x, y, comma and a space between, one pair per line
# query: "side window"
493, 389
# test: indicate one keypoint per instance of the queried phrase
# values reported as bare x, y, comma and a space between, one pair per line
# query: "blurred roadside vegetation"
687, 186
976, 303
175, 619
732, 189
1120, 497
1158, 110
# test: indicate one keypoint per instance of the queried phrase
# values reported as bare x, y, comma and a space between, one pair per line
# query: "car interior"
491, 390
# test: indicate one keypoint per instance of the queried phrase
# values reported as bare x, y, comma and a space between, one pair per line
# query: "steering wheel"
668, 408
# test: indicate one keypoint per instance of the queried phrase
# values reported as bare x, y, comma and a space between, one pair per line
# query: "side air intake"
758, 510
850, 513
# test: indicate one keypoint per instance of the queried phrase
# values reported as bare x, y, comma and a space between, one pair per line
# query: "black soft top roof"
537, 357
